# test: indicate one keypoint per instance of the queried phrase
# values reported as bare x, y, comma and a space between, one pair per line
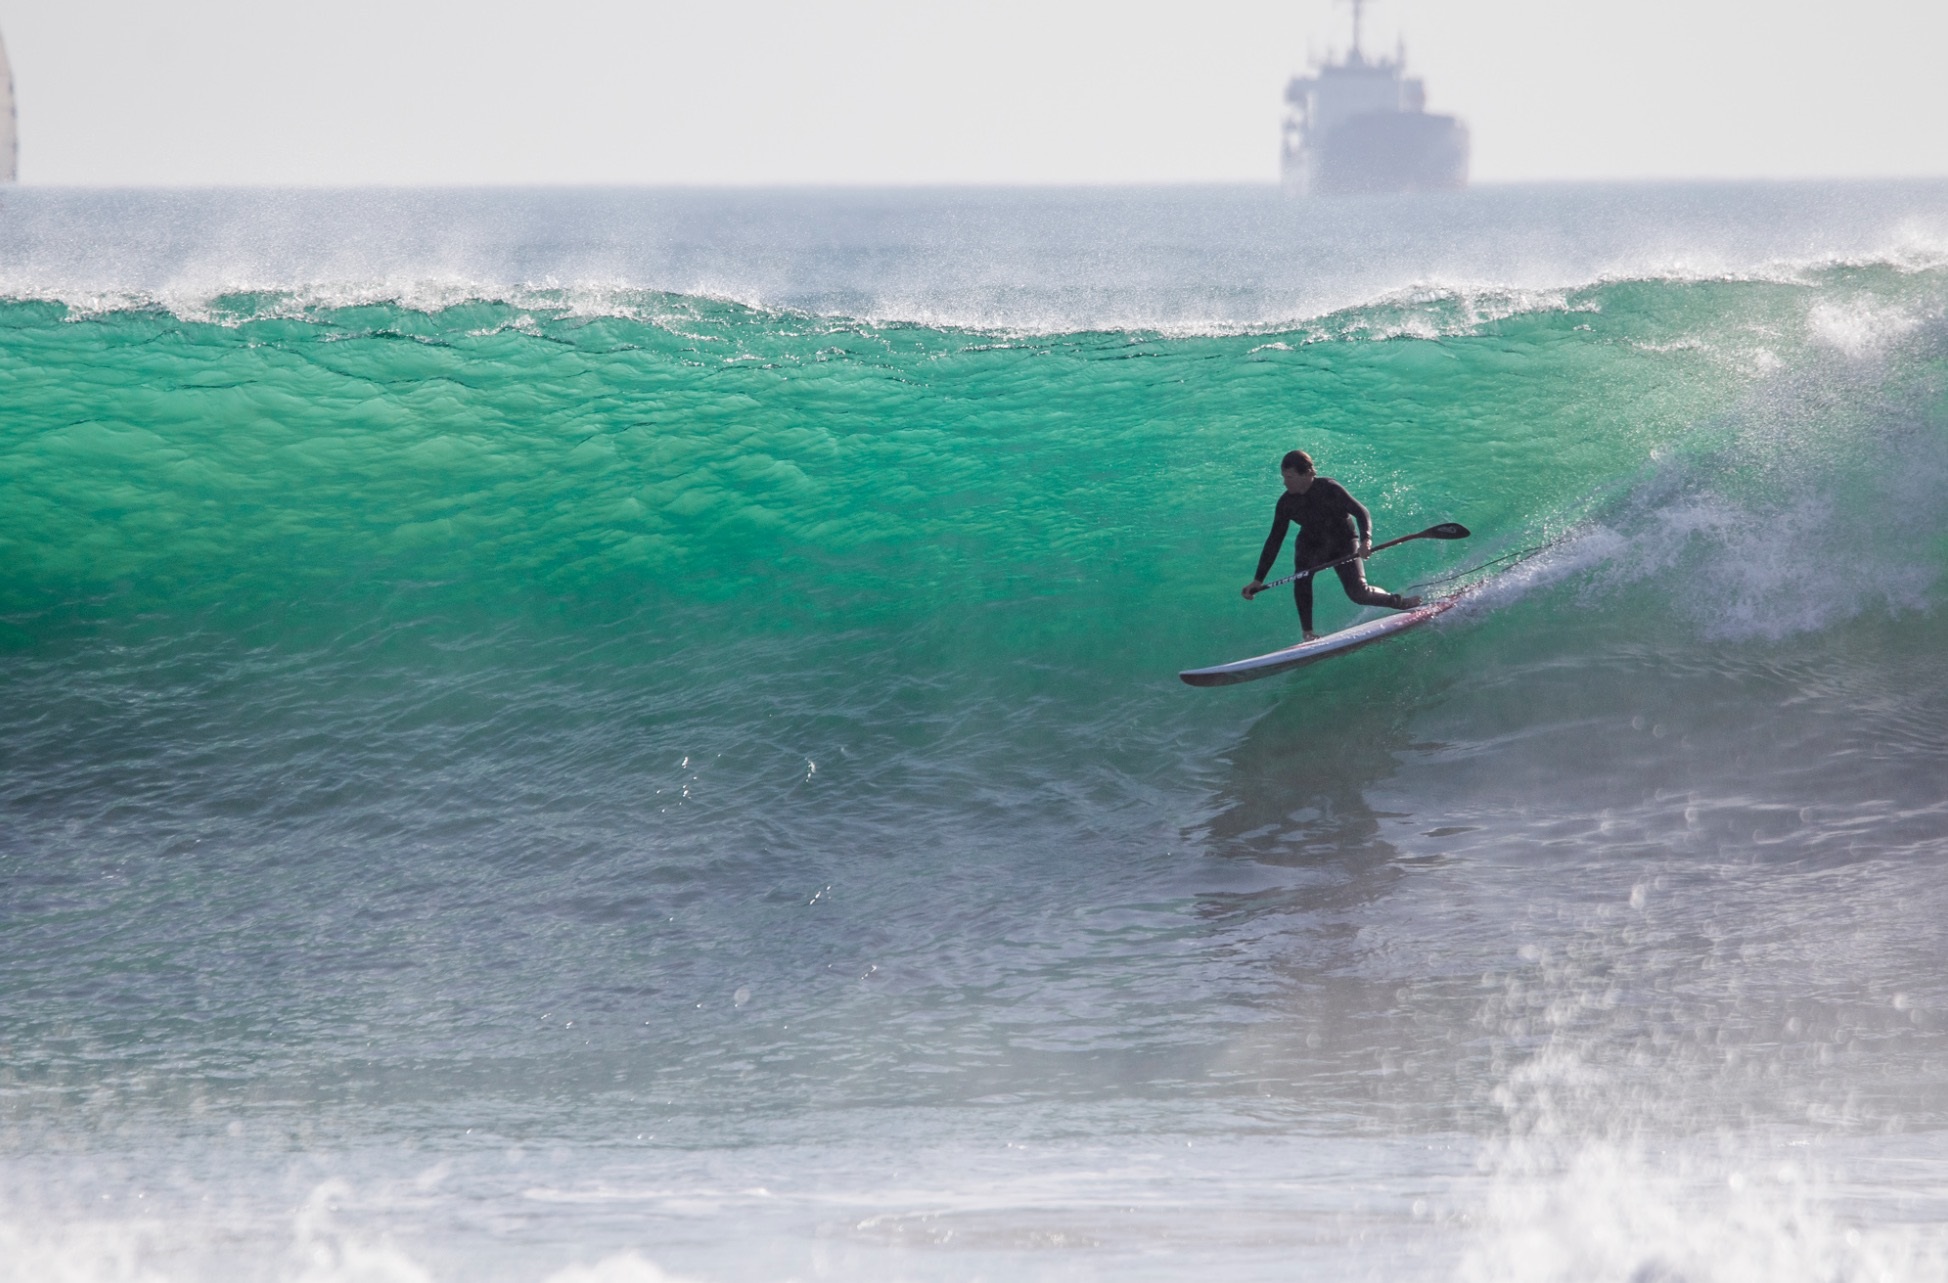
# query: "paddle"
1446, 530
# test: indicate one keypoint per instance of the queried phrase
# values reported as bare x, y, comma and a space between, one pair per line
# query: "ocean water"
617, 736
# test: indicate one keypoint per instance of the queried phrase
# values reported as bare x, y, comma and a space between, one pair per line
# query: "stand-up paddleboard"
1343, 642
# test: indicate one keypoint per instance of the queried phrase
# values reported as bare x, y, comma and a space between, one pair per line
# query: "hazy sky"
984, 91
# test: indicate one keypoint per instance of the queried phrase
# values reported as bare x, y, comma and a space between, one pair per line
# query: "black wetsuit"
1325, 515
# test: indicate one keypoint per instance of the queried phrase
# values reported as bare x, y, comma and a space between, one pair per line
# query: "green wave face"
487, 463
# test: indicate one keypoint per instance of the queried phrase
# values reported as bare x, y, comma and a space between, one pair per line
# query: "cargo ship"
1362, 125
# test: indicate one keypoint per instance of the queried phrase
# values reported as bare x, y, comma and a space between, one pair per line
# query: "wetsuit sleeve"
1273, 542
1361, 518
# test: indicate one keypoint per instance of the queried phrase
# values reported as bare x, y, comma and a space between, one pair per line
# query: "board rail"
1331, 646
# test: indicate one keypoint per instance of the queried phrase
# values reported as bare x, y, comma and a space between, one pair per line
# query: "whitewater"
634, 735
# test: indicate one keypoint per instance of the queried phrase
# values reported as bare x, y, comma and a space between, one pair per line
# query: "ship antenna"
1358, 7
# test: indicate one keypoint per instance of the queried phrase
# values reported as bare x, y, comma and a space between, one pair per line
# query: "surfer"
1326, 516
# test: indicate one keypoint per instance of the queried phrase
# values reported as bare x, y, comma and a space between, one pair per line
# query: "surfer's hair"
1295, 461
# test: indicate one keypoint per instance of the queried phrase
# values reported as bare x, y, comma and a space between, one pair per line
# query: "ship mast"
1359, 7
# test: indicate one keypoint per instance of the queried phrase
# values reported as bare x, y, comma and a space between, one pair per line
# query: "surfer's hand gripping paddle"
1446, 530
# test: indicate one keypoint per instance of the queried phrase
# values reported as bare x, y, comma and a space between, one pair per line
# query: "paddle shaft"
1441, 531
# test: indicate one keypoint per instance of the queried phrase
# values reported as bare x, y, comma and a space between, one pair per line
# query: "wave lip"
1857, 326
1176, 262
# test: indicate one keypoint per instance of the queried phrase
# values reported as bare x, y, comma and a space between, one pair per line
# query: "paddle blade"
1446, 530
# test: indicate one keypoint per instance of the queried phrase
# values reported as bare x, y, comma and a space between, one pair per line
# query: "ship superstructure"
9, 135
1361, 125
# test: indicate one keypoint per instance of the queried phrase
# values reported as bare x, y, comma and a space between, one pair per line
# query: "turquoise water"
642, 730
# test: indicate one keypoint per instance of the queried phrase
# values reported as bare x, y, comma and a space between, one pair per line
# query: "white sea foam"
1859, 327
1566, 1207
624, 1267
1596, 1177
177, 1249
1792, 512
96, 1251
1744, 575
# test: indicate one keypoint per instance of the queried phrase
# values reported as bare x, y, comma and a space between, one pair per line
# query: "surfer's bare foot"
1312, 637
1408, 603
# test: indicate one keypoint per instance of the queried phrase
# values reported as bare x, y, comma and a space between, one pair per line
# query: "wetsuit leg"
1352, 577
1304, 557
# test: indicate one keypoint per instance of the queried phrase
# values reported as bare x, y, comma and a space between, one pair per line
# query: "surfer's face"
1297, 482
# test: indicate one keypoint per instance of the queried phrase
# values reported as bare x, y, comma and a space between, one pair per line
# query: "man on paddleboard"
1326, 516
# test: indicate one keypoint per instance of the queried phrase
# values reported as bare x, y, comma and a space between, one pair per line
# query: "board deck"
1345, 641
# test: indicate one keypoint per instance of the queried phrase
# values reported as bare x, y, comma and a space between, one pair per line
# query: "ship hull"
1387, 152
